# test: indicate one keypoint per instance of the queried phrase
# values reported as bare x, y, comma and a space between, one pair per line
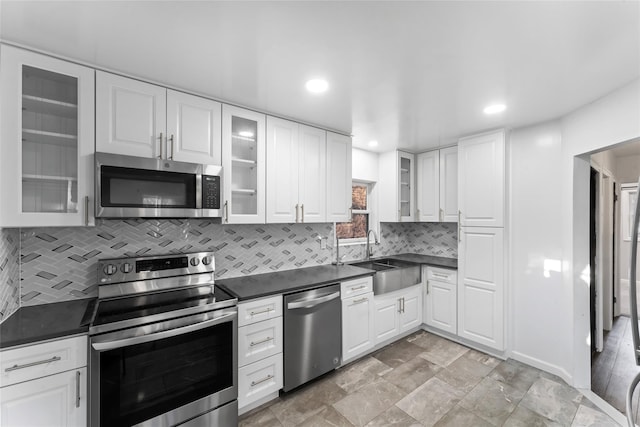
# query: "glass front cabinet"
243, 165
47, 137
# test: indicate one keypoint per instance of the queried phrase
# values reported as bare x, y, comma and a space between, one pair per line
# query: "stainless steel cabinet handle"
427, 287
357, 288
160, 138
297, 213
86, 210
267, 378
266, 310
308, 303
28, 365
441, 215
77, 389
253, 344
418, 213
444, 276
360, 301
399, 305
302, 209
226, 211
171, 139
403, 304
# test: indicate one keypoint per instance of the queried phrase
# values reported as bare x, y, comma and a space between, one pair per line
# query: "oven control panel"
120, 270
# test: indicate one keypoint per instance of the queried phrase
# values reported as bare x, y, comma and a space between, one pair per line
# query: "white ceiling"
411, 75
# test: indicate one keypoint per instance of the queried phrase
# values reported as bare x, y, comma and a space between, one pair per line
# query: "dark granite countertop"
435, 261
43, 322
261, 285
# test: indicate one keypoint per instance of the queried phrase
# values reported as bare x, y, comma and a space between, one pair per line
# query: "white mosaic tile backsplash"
9, 272
59, 264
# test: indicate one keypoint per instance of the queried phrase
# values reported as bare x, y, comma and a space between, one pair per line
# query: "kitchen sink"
392, 274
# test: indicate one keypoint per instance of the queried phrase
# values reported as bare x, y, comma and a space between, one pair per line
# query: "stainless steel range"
163, 344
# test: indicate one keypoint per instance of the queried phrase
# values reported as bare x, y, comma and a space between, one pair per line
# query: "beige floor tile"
553, 400
328, 417
458, 417
431, 401
400, 352
443, 352
588, 417
360, 373
369, 401
394, 417
523, 417
412, 374
492, 401
515, 374
263, 418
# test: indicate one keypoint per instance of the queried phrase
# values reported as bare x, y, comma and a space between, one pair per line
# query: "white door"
243, 165
385, 318
481, 180
312, 172
449, 184
357, 325
130, 117
338, 178
282, 171
47, 135
57, 400
481, 286
406, 181
194, 129
440, 308
411, 314
428, 186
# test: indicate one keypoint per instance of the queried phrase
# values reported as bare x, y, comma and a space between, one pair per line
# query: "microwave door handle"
129, 341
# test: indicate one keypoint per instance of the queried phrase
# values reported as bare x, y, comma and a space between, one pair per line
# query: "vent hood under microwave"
139, 187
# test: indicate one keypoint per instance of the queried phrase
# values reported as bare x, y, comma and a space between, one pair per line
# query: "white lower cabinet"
45, 384
260, 343
441, 299
397, 312
357, 317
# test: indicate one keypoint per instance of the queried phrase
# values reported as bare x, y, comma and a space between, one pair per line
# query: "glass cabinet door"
405, 186
47, 115
243, 160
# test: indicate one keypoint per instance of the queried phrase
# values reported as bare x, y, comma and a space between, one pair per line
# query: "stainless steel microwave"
138, 187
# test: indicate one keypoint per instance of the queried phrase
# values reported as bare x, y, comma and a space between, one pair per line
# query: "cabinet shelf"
44, 137
244, 162
244, 191
243, 138
49, 106
34, 178
404, 183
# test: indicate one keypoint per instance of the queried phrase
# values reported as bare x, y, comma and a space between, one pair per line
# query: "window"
357, 228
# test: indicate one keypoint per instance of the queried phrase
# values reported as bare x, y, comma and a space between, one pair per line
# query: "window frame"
370, 211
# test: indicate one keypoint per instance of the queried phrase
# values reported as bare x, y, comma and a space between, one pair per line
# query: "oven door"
128, 186
165, 373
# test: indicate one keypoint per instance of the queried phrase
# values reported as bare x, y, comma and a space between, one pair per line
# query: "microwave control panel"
210, 192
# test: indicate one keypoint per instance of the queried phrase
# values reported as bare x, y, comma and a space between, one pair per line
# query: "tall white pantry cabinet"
481, 287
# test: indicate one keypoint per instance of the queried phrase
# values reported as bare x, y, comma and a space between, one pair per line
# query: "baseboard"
545, 366
467, 343
604, 406
253, 405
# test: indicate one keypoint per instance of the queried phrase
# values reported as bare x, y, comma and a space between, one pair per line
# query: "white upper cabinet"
428, 186
296, 168
397, 177
194, 129
141, 119
130, 116
243, 165
481, 168
338, 201
481, 285
449, 184
312, 171
47, 134
282, 171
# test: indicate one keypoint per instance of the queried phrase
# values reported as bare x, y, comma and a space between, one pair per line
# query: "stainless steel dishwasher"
312, 334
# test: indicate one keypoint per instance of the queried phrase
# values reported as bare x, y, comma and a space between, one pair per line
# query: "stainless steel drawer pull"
267, 378
267, 339
360, 301
28, 365
444, 276
266, 310
77, 389
357, 288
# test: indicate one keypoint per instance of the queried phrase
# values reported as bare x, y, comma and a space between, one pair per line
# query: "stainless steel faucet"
338, 261
368, 248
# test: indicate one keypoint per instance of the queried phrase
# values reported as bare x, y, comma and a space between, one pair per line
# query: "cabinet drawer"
355, 287
259, 340
39, 360
258, 310
442, 275
259, 379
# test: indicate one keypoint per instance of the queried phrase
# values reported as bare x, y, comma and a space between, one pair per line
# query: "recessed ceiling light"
246, 133
495, 109
317, 85
373, 143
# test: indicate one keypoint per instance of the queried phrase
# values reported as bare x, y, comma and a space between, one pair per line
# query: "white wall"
364, 165
541, 318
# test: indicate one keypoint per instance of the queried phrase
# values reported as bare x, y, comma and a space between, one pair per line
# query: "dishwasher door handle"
308, 303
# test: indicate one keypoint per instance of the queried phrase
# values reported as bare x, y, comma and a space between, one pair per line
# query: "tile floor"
425, 380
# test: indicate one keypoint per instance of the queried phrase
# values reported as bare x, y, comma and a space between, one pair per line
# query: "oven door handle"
130, 338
